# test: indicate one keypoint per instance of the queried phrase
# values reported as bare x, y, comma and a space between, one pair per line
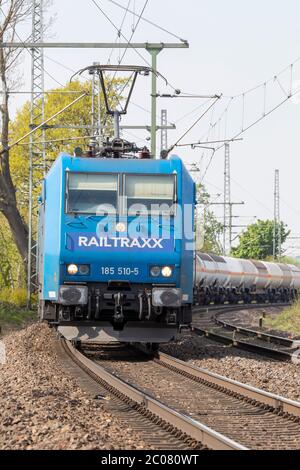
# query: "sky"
234, 46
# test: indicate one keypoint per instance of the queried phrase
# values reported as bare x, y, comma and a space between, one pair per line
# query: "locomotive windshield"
153, 194
91, 193
94, 193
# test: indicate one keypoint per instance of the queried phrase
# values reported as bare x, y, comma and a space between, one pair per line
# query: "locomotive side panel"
125, 270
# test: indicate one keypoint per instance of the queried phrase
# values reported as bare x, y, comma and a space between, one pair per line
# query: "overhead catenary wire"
290, 207
65, 139
58, 63
28, 134
207, 167
191, 112
47, 92
242, 187
82, 92
128, 41
262, 117
194, 124
120, 29
55, 61
121, 34
148, 21
252, 195
126, 49
30, 52
134, 29
70, 69
139, 17
237, 95
264, 86
254, 123
231, 99
148, 111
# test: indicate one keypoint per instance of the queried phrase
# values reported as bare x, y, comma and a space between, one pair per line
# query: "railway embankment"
13, 312
271, 375
288, 321
43, 407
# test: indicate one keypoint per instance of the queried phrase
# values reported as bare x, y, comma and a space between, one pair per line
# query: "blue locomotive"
115, 251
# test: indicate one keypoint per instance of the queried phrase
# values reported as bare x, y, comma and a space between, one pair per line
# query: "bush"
288, 320
16, 297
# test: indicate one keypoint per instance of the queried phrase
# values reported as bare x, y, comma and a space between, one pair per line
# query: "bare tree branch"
12, 13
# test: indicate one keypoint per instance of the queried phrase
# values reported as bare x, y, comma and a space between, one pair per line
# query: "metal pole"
37, 148
29, 260
227, 201
274, 222
96, 45
37, 93
230, 229
277, 223
93, 104
45, 122
43, 85
96, 118
154, 51
116, 124
278, 215
164, 130
99, 114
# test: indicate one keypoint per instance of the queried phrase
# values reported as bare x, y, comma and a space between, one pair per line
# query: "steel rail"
228, 307
268, 337
184, 424
210, 332
278, 403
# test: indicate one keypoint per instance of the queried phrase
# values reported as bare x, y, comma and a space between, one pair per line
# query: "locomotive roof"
68, 163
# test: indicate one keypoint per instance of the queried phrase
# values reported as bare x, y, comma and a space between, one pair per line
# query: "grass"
13, 317
288, 320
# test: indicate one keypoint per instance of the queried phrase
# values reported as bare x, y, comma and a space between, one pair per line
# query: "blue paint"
85, 241
60, 231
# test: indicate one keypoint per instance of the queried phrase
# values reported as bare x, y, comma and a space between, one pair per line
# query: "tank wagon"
219, 279
107, 269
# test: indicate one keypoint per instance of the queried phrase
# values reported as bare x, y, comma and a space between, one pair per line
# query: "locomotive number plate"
120, 271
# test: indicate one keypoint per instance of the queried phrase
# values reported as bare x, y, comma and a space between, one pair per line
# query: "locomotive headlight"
84, 269
72, 269
120, 227
155, 271
167, 271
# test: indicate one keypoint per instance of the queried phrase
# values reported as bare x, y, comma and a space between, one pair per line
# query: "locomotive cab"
115, 260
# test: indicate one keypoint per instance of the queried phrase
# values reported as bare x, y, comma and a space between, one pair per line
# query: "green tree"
11, 266
13, 13
257, 241
13, 242
211, 227
57, 139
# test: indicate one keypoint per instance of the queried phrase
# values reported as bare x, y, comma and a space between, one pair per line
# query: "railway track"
209, 322
169, 424
202, 408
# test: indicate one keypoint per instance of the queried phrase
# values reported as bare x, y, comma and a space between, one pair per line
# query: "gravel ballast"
282, 378
249, 318
42, 406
